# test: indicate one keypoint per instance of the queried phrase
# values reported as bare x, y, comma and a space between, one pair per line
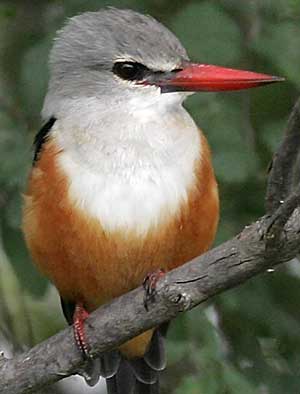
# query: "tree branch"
272, 240
281, 175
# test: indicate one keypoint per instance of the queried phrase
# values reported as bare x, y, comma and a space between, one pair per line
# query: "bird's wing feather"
41, 138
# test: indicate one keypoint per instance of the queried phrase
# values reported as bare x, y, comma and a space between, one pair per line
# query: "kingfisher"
122, 186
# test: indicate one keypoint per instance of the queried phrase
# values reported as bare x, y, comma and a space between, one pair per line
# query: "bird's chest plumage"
131, 187
97, 227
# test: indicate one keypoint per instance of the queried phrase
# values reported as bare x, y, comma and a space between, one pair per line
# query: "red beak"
209, 78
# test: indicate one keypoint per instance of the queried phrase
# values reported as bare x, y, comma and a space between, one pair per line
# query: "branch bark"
272, 240
283, 165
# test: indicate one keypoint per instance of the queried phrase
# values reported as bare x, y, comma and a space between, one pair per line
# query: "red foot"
149, 284
79, 317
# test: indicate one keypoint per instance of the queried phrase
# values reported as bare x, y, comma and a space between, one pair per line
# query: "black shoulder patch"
41, 137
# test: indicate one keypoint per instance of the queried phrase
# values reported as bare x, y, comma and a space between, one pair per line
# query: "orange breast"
89, 264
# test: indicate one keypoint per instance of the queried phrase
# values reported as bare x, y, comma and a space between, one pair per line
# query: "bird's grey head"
113, 55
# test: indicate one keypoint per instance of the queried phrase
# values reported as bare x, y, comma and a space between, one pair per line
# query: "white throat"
131, 168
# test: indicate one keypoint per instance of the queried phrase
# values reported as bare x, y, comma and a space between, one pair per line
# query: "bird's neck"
117, 138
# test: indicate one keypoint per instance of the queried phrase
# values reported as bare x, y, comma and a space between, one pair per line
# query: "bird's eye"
130, 71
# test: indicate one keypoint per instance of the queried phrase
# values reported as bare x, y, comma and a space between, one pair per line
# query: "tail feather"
155, 356
109, 364
112, 386
140, 376
123, 381
142, 372
141, 388
90, 371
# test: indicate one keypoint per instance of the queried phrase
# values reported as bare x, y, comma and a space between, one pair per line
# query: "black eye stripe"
137, 72
130, 71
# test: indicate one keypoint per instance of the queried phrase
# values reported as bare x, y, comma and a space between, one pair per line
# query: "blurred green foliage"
248, 340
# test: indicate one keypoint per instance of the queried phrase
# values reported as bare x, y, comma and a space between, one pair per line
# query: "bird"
122, 186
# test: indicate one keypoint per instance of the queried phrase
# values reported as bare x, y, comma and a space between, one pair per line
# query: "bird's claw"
149, 285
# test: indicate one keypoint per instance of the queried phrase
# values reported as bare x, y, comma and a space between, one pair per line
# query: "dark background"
248, 339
